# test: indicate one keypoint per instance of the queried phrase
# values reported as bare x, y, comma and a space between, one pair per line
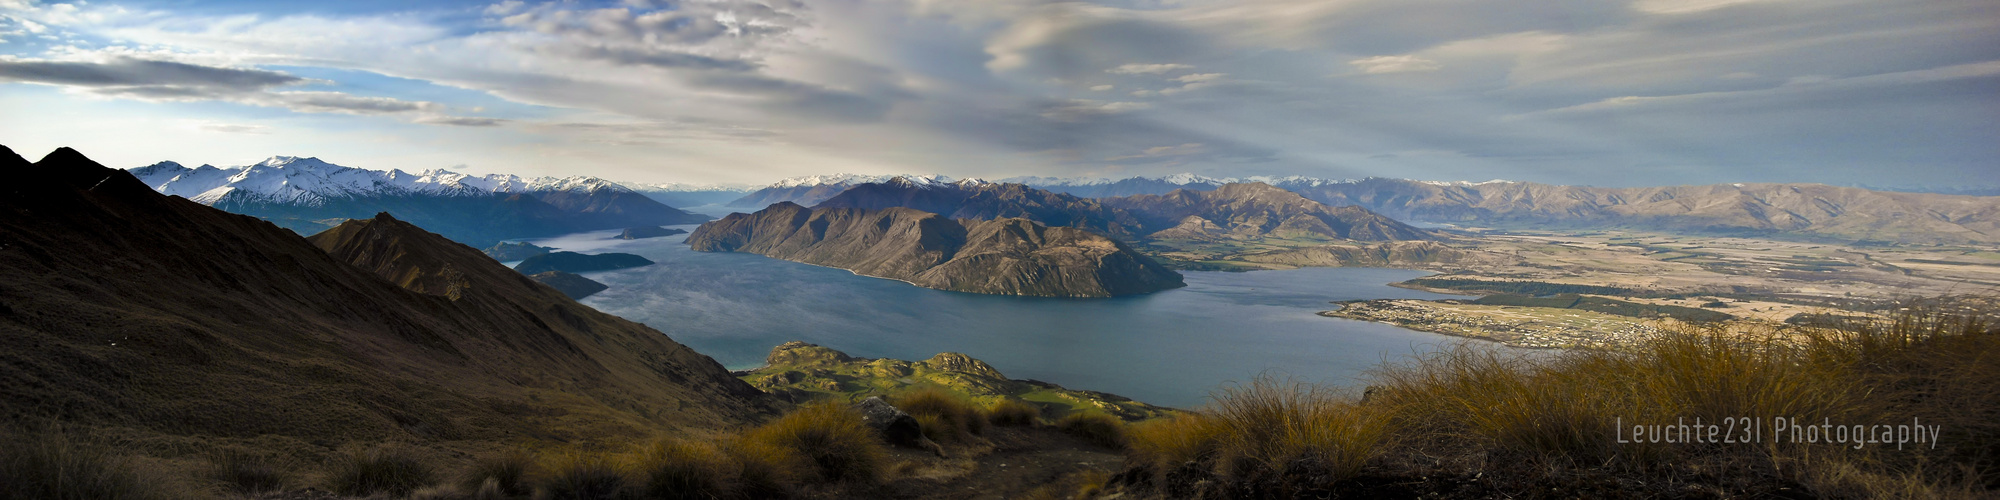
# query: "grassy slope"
803, 372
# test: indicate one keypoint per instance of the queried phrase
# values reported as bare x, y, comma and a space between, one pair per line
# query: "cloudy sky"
1628, 92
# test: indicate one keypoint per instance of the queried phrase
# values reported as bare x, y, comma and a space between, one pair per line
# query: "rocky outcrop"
1004, 256
643, 232
801, 372
573, 262
509, 252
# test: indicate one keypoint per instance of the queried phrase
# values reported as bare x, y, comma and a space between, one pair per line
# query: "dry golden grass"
581, 476
507, 472
1550, 420
1014, 413
56, 464
946, 417
678, 469
243, 472
394, 470
827, 440
1099, 428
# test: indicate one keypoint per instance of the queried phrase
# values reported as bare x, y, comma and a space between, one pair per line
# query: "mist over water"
1168, 348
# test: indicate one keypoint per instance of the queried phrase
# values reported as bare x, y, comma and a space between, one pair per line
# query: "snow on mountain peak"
297, 180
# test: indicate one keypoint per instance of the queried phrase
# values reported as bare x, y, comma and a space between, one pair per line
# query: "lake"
1166, 348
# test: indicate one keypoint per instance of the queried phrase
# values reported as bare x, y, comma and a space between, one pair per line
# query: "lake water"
1167, 348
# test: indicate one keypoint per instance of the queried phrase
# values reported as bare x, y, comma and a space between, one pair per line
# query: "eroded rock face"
960, 363
801, 353
1001, 256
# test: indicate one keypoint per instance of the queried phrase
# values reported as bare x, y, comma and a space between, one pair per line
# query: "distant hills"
1801, 210
308, 195
1257, 209
975, 199
169, 321
1008, 256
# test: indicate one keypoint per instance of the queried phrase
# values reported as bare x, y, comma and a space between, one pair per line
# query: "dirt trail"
1016, 463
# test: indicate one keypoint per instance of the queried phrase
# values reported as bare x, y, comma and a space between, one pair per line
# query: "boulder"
896, 427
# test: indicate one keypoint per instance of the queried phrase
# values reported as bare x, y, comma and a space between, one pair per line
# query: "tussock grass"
673, 469
1528, 423
243, 472
946, 417
1104, 430
507, 472
393, 470
1014, 413
57, 464
764, 469
826, 439
581, 476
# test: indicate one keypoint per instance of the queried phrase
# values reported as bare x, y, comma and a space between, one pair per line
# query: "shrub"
1105, 430
763, 469
582, 476
57, 465
394, 470
675, 469
245, 473
954, 419
508, 473
1014, 413
1164, 445
827, 439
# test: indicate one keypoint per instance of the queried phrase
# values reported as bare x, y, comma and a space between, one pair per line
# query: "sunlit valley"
1102, 250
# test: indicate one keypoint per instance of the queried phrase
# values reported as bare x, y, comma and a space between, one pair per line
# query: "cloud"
1078, 109
1146, 69
151, 80
1192, 148
143, 77
1585, 92
232, 128
1684, 6
1394, 64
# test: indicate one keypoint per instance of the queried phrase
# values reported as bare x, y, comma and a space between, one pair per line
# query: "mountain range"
813, 189
1008, 256
309, 195
118, 299
1801, 210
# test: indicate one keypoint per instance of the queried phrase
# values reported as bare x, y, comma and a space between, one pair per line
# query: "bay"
1168, 348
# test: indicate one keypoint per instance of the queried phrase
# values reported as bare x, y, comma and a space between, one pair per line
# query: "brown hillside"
1002, 256
124, 308
1258, 209
1815, 210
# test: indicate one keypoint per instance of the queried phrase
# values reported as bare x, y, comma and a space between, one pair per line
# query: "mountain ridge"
1000, 256
117, 296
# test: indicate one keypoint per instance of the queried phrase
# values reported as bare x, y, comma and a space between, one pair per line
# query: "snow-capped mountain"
811, 189
309, 194
293, 180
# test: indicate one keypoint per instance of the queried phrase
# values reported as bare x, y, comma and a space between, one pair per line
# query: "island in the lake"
643, 232
579, 263
1007, 256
